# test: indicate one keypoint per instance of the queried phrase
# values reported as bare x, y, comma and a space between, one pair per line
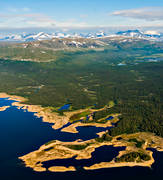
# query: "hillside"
52, 50
129, 73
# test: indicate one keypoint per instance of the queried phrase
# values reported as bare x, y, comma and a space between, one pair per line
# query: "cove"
101, 154
21, 132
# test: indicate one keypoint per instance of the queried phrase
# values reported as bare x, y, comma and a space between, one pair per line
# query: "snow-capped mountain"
22, 37
152, 33
32, 37
149, 35
48, 36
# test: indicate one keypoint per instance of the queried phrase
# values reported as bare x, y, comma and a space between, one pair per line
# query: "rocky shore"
63, 150
4, 108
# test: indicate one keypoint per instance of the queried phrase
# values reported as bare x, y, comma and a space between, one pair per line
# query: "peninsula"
136, 145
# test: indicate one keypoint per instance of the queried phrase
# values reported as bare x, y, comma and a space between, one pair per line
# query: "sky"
80, 13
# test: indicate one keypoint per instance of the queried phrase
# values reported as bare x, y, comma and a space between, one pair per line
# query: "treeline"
133, 156
88, 79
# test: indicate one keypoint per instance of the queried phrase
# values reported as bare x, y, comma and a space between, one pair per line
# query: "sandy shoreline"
73, 127
60, 149
113, 164
12, 97
53, 117
4, 108
61, 169
46, 114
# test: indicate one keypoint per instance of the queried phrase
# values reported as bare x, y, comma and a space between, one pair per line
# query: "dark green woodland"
129, 74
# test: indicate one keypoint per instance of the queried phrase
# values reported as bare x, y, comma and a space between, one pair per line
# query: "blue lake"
101, 154
110, 118
65, 107
21, 132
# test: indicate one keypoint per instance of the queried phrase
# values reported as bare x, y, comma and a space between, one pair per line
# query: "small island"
3, 108
135, 152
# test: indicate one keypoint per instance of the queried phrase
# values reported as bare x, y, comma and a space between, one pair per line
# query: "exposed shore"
113, 164
72, 127
46, 113
53, 117
4, 108
61, 150
12, 97
61, 169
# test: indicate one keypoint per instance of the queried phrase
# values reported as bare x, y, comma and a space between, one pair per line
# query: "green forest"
93, 78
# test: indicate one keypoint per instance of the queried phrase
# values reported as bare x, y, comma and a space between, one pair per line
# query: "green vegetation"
111, 104
78, 147
104, 137
85, 78
137, 143
34, 54
101, 114
78, 116
133, 156
88, 117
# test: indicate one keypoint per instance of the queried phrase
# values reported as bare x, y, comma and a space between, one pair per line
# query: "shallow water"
21, 132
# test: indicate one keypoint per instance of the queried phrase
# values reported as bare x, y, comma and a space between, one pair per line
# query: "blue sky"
80, 13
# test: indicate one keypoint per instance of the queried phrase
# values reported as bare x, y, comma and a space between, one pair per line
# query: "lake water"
65, 107
21, 132
110, 118
101, 154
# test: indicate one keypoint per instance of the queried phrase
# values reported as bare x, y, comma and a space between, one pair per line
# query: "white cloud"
148, 13
17, 10
35, 20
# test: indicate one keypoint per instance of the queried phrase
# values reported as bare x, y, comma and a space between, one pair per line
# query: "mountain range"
150, 35
24, 37
47, 36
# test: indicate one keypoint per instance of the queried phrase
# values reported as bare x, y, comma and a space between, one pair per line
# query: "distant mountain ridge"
149, 35
48, 36
65, 43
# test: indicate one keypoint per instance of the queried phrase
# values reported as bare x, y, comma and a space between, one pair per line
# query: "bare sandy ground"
46, 113
122, 164
61, 169
4, 108
53, 117
59, 150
